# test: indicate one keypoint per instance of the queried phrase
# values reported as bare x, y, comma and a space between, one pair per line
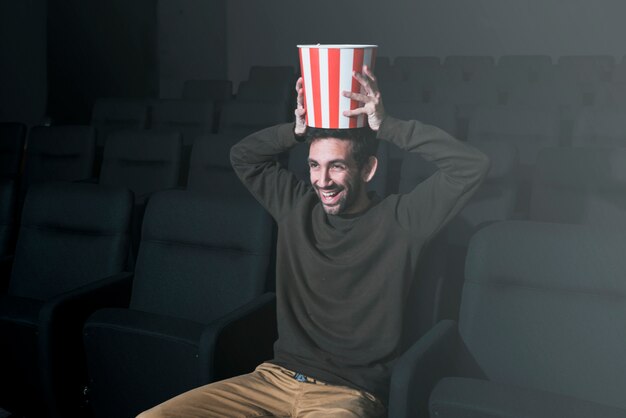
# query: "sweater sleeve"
254, 159
461, 169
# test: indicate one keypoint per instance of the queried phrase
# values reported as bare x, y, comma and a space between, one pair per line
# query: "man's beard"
349, 194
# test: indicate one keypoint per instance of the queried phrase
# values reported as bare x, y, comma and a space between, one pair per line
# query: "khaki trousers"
270, 391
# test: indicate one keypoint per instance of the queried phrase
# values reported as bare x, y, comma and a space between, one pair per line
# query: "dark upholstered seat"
72, 247
59, 153
198, 311
540, 332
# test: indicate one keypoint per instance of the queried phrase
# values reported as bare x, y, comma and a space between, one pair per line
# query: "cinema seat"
70, 254
540, 332
214, 90
59, 153
210, 171
198, 310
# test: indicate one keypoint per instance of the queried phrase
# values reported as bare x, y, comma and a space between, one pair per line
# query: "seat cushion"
470, 398
137, 360
19, 385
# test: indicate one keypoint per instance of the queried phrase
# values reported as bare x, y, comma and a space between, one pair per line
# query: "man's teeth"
329, 194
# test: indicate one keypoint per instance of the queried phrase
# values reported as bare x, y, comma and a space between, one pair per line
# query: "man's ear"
369, 169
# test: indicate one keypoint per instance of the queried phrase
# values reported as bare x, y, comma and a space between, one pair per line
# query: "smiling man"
339, 168
345, 258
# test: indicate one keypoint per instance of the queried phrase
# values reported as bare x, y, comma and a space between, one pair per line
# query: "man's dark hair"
364, 141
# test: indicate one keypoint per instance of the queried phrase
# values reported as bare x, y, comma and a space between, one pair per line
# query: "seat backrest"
191, 118
201, 257
12, 138
243, 118
528, 128
59, 153
70, 234
477, 93
585, 68
417, 68
210, 171
142, 161
8, 200
463, 68
525, 68
262, 91
600, 127
277, 74
111, 115
442, 116
215, 90
543, 307
580, 186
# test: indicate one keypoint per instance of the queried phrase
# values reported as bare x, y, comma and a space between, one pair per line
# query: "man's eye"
312, 165
338, 166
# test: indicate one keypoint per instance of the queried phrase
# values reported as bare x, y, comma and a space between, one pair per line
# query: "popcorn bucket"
326, 72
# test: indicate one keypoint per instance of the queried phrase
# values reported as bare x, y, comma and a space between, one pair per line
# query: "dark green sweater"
341, 282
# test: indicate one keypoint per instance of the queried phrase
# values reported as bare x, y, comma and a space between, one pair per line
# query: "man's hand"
300, 110
371, 99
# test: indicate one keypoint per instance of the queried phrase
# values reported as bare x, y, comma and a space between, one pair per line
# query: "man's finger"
364, 98
369, 73
355, 112
364, 81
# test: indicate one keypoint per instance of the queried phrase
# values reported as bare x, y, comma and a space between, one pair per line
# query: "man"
345, 259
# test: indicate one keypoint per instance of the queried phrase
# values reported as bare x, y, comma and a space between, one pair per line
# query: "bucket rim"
338, 46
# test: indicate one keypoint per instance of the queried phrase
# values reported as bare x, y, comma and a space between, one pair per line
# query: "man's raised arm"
254, 159
461, 167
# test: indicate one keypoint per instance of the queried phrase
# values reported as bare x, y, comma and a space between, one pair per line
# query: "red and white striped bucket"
326, 72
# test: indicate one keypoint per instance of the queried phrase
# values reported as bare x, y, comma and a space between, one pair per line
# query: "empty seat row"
533, 338
190, 118
567, 185
194, 310
509, 68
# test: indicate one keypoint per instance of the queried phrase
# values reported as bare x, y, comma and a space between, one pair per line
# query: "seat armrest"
61, 320
417, 371
6, 264
113, 291
239, 341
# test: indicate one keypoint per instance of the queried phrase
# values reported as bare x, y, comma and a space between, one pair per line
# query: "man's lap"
269, 391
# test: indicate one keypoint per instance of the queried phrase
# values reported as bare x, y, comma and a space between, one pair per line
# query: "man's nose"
324, 179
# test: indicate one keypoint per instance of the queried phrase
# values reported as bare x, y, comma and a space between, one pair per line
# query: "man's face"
335, 176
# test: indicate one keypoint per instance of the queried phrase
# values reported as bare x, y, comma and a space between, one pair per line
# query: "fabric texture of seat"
198, 288
111, 115
191, 118
8, 216
580, 186
243, 118
142, 161
417, 68
210, 170
59, 153
525, 68
461, 397
463, 68
535, 303
73, 239
586, 68
215, 90
604, 127
12, 138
